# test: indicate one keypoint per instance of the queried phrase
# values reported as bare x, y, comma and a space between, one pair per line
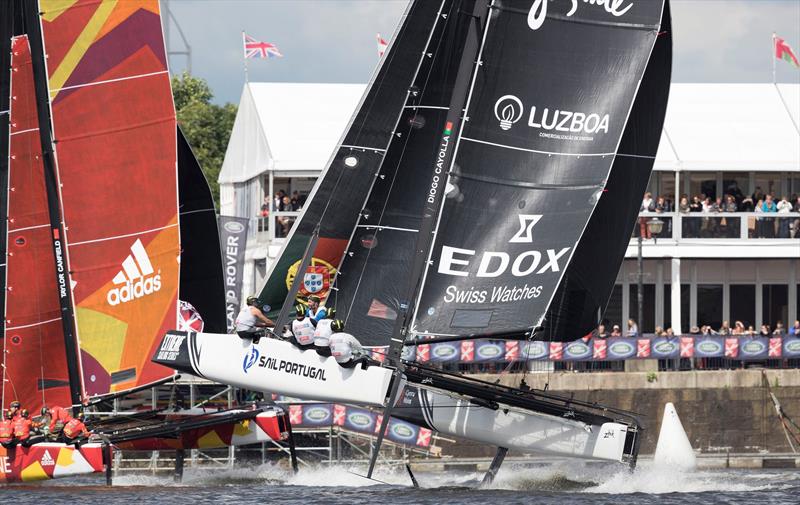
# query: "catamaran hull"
509, 427
274, 366
49, 461
265, 427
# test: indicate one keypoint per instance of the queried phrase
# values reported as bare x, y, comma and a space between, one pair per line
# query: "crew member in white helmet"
323, 332
251, 321
316, 311
302, 329
346, 349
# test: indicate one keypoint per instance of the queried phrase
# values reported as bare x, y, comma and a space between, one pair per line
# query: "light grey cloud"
334, 40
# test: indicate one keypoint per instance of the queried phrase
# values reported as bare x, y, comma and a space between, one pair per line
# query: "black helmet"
300, 310
332, 313
337, 325
45, 410
252, 300
24, 413
15, 404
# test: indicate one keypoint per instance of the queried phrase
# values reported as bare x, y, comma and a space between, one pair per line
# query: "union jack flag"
257, 49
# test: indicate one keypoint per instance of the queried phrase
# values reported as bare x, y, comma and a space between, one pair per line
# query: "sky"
334, 40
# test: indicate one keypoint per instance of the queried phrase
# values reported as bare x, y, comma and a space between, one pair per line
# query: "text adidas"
132, 290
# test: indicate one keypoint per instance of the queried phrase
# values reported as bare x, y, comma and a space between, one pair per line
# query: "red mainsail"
114, 125
35, 360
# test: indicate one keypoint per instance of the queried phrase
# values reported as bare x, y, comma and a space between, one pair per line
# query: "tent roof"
287, 127
294, 127
736, 127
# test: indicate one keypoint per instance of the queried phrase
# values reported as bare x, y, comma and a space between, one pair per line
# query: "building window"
701, 183
709, 305
774, 303
766, 183
736, 184
743, 304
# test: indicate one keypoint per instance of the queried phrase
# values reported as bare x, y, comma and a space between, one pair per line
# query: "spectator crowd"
738, 329
281, 202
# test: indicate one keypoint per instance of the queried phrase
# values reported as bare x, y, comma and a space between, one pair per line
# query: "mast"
470, 60
31, 16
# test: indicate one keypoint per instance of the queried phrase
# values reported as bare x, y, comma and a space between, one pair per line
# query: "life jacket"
323, 332
74, 428
319, 314
303, 331
6, 430
22, 428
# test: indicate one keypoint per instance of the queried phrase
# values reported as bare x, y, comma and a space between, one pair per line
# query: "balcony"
720, 235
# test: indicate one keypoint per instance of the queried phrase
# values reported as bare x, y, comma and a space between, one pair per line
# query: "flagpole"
774, 79
244, 55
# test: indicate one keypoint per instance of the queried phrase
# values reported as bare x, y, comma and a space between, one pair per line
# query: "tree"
207, 126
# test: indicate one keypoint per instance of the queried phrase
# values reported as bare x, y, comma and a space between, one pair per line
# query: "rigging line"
4, 112
365, 148
55, 91
439, 107
380, 228
552, 153
423, 88
196, 211
10, 381
72, 244
32, 324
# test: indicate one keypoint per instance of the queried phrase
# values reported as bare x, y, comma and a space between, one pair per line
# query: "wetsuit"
7, 433
74, 430
22, 430
59, 417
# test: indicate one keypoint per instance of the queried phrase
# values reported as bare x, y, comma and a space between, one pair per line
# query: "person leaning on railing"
784, 207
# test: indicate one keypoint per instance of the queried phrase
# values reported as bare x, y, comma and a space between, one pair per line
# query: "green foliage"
652, 377
207, 126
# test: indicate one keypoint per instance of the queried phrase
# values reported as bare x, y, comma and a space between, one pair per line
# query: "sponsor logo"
234, 227
250, 358
753, 347
536, 350
318, 414
292, 368
793, 346
5, 465
136, 279
47, 460
525, 233
577, 350
608, 434
359, 420
709, 347
444, 351
621, 348
170, 347
665, 347
402, 431
538, 12
62, 275
488, 351
508, 110
439, 166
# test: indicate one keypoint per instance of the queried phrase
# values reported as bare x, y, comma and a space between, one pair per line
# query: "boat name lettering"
170, 347
499, 294
434, 188
5, 465
538, 12
495, 263
292, 368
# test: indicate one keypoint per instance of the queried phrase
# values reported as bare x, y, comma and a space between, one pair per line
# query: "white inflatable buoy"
673, 447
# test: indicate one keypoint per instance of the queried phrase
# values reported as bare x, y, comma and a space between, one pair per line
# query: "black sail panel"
548, 110
339, 195
202, 282
375, 273
590, 277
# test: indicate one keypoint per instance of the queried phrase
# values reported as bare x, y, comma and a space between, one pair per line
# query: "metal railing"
721, 225
274, 227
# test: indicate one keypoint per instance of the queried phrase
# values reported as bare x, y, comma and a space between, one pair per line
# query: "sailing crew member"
59, 417
302, 329
7, 431
13, 409
346, 349
75, 431
251, 321
315, 311
22, 428
322, 334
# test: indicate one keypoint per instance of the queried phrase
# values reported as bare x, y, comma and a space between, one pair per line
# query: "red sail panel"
114, 124
35, 358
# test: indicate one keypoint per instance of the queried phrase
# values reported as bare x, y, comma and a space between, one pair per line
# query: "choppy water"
559, 485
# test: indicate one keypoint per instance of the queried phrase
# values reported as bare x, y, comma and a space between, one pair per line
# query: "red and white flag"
257, 49
382, 44
784, 52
